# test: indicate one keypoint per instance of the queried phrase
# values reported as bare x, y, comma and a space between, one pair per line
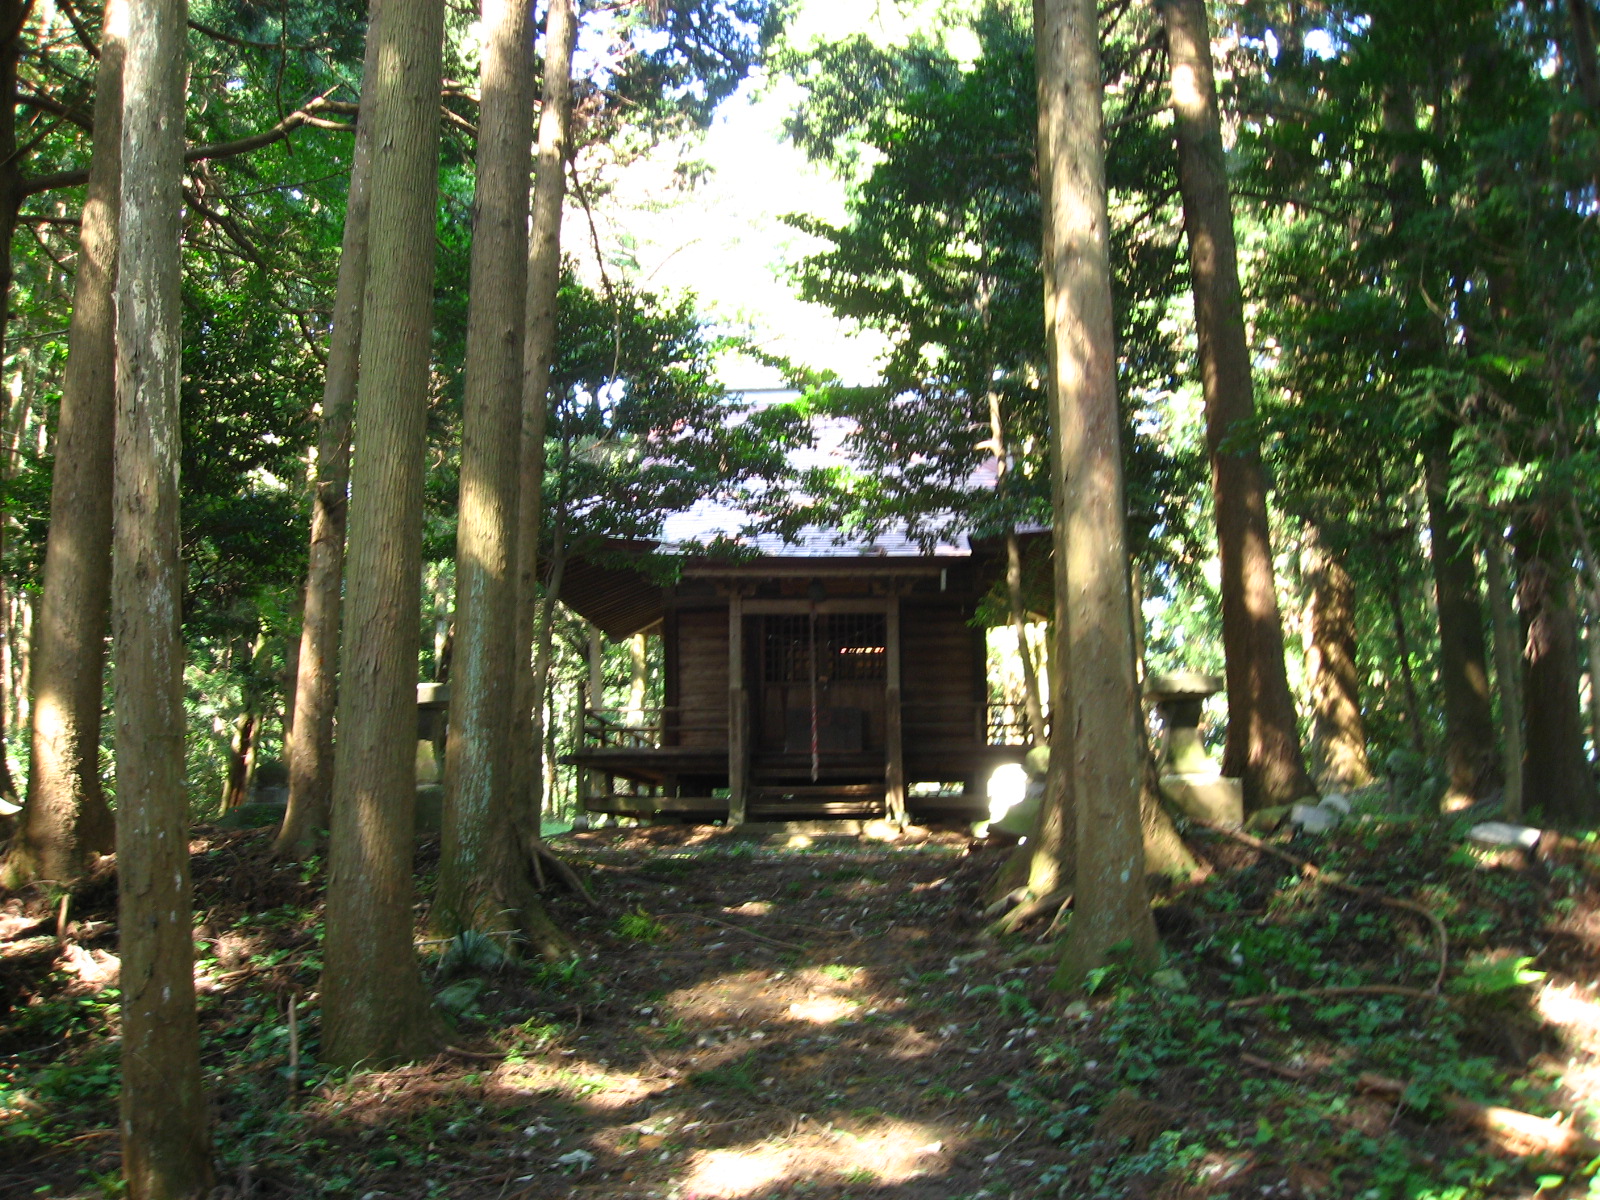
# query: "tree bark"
236, 790
1393, 594
483, 880
374, 1007
67, 816
1094, 736
1471, 761
1263, 742
1338, 730
165, 1140
544, 280
316, 680
1580, 14
639, 677
13, 16
1508, 674
1556, 775
1591, 648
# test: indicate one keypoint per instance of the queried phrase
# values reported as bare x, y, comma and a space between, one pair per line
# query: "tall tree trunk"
1508, 674
639, 677
67, 816
236, 788
483, 880
1580, 14
1591, 648
1471, 762
544, 279
1033, 706
374, 1007
1556, 775
316, 680
165, 1139
1402, 648
1095, 736
544, 643
13, 15
1338, 731
1263, 744
1038, 732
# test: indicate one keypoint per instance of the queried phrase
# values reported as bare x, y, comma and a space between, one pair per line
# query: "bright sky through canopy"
725, 239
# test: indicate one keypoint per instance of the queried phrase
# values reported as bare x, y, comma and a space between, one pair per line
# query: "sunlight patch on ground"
595, 1085
1574, 1010
823, 1010
890, 1152
816, 994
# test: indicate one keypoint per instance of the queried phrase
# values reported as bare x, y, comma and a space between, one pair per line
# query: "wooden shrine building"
821, 679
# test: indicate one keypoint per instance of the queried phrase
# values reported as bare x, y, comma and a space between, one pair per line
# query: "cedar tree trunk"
1556, 775
483, 880
1470, 757
1508, 674
67, 816
1094, 736
165, 1142
544, 281
1263, 743
1338, 731
13, 16
316, 679
374, 1007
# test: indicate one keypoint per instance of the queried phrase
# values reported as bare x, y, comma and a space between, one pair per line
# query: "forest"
482, 718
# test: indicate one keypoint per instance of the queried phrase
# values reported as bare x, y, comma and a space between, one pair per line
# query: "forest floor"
756, 1020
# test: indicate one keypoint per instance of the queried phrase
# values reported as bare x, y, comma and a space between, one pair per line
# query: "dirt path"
755, 1021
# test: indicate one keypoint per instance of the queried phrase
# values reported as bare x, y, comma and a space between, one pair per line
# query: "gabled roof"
623, 602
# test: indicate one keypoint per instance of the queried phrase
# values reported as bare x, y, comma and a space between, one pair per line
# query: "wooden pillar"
894, 750
738, 726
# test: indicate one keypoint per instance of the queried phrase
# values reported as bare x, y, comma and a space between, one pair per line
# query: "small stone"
1503, 833
1313, 818
1338, 802
1170, 978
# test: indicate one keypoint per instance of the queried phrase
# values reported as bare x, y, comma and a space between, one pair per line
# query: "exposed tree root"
541, 856
1028, 910
1372, 895
1510, 1129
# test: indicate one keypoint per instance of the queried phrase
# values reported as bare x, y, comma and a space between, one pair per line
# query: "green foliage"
640, 926
1494, 975
941, 253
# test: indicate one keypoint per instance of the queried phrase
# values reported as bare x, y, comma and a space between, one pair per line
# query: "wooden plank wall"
703, 676
939, 679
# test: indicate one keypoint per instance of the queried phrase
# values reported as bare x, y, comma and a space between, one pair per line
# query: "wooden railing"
989, 724
649, 728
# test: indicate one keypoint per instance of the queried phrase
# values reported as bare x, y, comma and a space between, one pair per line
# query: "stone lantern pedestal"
1190, 779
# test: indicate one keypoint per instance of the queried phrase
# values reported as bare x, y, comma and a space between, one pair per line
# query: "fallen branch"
1298, 1074
1511, 1129
477, 1055
1333, 993
1311, 871
760, 937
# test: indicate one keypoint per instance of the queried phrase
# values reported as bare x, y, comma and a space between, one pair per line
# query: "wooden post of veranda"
738, 756
894, 748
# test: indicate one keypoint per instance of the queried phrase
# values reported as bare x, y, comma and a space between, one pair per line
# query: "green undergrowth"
1200, 1085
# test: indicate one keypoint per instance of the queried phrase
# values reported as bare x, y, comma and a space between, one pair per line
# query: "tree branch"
306, 115
49, 105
